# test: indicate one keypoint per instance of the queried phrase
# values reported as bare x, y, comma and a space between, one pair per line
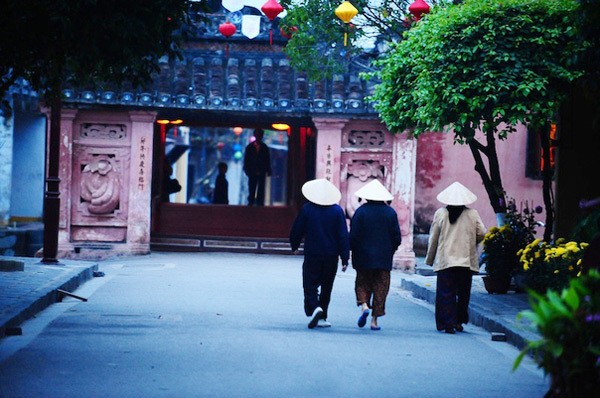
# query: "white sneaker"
317, 314
323, 323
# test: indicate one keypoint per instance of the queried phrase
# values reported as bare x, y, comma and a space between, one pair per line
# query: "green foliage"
55, 43
483, 64
317, 45
569, 325
588, 227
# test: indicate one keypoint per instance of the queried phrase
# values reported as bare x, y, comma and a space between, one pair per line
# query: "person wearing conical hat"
322, 225
374, 238
452, 251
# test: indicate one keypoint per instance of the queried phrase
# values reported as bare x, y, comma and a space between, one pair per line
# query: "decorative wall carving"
101, 185
366, 155
103, 131
367, 139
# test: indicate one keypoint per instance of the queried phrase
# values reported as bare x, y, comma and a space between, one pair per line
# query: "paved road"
232, 325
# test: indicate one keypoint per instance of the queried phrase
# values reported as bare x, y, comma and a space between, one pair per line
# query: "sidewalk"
24, 293
496, 313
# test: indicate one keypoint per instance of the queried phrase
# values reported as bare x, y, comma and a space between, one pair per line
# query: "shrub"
569, 325
551, 265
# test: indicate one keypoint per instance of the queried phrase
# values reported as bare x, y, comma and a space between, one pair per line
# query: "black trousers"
452, 296
318, 271
256, 189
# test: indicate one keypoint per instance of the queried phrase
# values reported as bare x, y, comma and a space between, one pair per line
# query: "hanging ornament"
418, 8
232, 5
227, 29
271, 9
346, 11
288, 32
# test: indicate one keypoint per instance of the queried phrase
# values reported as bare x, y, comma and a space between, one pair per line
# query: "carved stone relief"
100, 185
103, 131
365, 139
358, 174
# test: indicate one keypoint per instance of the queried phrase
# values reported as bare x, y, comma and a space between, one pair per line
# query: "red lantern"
271, 9
227, 29
418, 8
289, 32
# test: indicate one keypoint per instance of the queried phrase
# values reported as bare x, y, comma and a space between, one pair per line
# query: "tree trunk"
492, 180
547, 172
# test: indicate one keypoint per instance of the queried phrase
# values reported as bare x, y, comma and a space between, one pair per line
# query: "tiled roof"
245, 81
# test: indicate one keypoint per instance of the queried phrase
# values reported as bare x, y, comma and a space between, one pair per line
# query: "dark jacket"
324, 231
257, 162
374, 236
220, 195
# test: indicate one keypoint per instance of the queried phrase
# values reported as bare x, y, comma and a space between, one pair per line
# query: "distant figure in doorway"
221, 193
257, 166
455, 232
171, 185
374, 238
322, 225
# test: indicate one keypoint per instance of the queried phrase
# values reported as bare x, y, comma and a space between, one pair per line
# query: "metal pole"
52, 194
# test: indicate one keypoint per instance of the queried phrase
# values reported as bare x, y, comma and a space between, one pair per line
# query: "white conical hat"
374, 191
321, 192
456, 195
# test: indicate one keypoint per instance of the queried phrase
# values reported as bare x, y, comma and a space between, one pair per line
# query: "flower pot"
496, 285
520, 283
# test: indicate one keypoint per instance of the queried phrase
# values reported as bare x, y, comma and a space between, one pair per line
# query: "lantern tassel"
227, 50
271, 36
345, 39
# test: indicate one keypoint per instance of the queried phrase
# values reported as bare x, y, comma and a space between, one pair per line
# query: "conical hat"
321, 192
456, 195
374, 191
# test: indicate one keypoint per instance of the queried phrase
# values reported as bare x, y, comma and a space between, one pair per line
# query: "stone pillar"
140, 189
329, 140
403, 189
6, 160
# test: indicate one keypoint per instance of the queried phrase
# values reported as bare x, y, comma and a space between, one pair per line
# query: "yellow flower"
493, 230
583, 245
556, 271
525, 266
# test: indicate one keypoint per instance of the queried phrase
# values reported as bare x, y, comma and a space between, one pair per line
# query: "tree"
483, 66
57, 43
316, 46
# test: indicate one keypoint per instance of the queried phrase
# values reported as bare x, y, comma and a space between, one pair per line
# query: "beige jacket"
454, 245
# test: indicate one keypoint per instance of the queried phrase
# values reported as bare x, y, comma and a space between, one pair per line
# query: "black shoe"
450, 331
459, 327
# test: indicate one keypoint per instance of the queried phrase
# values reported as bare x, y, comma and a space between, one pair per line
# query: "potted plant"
551, 265
501, 245
569, 326
499, 257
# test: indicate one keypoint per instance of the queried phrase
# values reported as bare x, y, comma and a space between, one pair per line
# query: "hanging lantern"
288, 32
346, 11
227, 29
271, 9
418, 8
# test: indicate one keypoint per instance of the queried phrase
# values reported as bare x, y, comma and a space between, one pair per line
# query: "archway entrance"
187, 155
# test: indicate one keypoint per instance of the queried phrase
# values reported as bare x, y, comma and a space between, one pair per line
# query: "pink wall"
441, 162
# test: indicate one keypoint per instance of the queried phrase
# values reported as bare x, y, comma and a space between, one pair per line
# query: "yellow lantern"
346, 11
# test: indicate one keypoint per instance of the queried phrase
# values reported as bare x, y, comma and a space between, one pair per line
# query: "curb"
479, 316
25, 309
